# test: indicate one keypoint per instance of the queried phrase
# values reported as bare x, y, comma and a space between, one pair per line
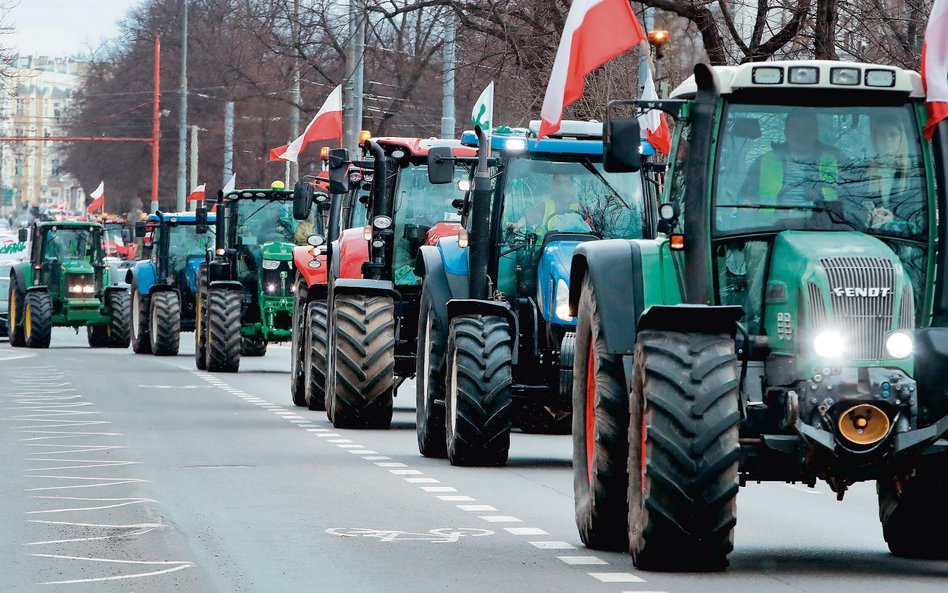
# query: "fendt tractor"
163, 287
790, 323
495, 328
246, 284
374, 285
66, 282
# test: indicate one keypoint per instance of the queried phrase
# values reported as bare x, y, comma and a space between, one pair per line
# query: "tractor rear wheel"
165, 323
600, 433
478, 394
683, 451
223, 331
298, 345
316, 355
200, 321
429, 382
141, 342
37, 319
914, 517
15, 322
252, 347
119, 328
363, 373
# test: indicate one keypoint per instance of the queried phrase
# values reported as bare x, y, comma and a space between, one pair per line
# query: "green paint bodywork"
272, 304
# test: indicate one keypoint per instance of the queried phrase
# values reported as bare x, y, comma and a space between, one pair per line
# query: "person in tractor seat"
561, 203
280, 229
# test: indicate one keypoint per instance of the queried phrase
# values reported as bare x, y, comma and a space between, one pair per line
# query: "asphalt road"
136, 473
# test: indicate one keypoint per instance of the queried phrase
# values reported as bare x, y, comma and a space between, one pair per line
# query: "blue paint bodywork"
144, 271
453, 257
554, 266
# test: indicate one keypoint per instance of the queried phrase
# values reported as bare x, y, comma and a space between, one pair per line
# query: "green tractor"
66, 283
789, 324
246, 287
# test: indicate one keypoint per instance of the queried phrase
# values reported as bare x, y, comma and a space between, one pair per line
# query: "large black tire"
683, 451
298, 344
165, 323
119, 329
37, 319
139, 307
316, 317
223, 330
914, 516
200, 321
478, 395
97, 335
252, 347
600, 433
362, 379
17, 302
429, 382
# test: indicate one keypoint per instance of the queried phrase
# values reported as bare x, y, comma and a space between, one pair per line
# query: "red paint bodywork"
302, 255
353, 252
441, 229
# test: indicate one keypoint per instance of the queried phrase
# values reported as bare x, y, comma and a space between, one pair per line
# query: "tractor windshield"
70, 244
186, 244
261, 221
820, 168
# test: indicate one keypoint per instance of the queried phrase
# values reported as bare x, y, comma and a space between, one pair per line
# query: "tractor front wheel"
683, 451
298, 346
252, 347
315, 361
17, 302
914, 517
200, 321
223, 331
165, 322
429, 382
363, 373
37, 319
478, 395
141, 342
119, 329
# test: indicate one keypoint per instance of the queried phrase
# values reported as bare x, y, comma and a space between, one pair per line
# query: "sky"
63, 27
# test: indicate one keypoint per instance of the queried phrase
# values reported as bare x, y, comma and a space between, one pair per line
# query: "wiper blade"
592, 169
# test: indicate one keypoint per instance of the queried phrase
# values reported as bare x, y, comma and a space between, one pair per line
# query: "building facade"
34, 101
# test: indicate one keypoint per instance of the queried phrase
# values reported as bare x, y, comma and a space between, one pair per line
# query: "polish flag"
326, 125
935, 65
596, 31
652, 122
98, 199
197, 194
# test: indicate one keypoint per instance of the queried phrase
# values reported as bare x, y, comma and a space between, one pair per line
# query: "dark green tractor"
790, 322
66, 283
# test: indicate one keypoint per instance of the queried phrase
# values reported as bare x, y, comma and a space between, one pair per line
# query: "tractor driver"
560, 202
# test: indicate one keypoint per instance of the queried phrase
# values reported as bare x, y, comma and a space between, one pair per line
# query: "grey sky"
63, 27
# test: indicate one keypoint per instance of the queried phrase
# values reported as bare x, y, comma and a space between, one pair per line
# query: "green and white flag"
483, 114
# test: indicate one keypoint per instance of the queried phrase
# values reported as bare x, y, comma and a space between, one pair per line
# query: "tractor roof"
808, 76
69, 224
573, 138
258, 194
185, 217
419, 147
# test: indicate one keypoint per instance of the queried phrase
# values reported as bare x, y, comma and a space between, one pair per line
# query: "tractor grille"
863, 299
79, 280
907, 314
272, 277
817, 308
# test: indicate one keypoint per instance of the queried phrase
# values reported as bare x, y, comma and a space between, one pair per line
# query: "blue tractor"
495, 333
163, 286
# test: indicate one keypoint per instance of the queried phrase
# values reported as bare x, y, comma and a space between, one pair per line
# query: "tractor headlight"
88, 289
829, 344
75, 288
271, 288
562, 301
270, 264
382, 222
899, 345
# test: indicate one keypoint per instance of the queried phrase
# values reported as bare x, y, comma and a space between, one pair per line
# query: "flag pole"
155, 127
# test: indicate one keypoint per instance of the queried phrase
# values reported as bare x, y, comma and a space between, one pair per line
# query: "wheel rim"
153, 323
13, 310
454, 389
135, 314
426, 361
590, 409
28, 321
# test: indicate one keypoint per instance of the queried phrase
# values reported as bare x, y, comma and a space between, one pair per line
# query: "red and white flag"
935, 65
98, 199
197, 194
596, 31
325, 126
653, 122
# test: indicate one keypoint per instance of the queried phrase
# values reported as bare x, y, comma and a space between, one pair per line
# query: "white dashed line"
551, 545
376, 458
525, 531
422, 481
362, 451
406, 472
390, 464
439, 489
581, 560
500, 519
456, 498
616, 577
473, 508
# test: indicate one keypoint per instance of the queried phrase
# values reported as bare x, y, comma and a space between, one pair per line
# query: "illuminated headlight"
464, 185
899, 345
270, 264
88, 289
271, 288
378, 244
829, 344
516, 144
382, 222
562, 301
75, 288
293, 288
314, 263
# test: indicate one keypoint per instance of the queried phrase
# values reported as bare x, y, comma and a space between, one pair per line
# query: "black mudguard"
441, 287
615, 270
458, 307
931, 370
363, 286
225, 285
704, 319
19, 270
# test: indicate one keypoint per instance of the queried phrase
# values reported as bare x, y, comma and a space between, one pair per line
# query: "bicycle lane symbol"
442, 535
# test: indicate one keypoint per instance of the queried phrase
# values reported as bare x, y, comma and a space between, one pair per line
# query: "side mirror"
315, 240
668, 214
200, 220
23, 235
126, 235
621, 145
440, 165
338, 166
302, 200
140, 229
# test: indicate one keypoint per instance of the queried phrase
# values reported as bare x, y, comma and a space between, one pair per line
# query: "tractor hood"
848, 283
277, 250
553, 276
77, 267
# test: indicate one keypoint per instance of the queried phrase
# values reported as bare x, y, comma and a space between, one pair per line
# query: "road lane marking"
500, 519
616, 577
456, 498
422, 481
122, 502
581, 560
406, 472
525, 531
362, 451
339, 440
552, 545
474, 508
390, 464
439, 489
376, 457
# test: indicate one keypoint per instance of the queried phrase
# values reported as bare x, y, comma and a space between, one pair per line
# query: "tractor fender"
20, 272
615, 269
688, 318
114, 289
458, 307
39, 288
226, 285
931, 367
353, 252
361, 286
302, 261
144, 275
442, 285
